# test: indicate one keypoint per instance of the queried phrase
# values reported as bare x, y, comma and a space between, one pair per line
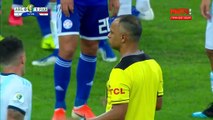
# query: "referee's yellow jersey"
136, 80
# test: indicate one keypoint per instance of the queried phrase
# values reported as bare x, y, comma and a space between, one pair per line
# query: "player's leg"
208, 112
62, 72
209, 50
68, 36
85, 75
210, 56
44, 25
145, 10
50, 59
13, 20
53, 22
125, 7
47, 60
106, 51
93, 28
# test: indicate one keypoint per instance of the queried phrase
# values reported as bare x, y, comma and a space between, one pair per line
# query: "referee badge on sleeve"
18, 97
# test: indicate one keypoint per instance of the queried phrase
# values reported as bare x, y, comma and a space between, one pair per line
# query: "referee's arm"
159, 103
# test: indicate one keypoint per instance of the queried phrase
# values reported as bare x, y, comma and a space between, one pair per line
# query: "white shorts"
209, 35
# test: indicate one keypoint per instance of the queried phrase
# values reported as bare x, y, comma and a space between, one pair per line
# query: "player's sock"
62, 72
145, 10
43, 21
135, 12
125, 7
44, 24
85, 74
18, 2
211, 79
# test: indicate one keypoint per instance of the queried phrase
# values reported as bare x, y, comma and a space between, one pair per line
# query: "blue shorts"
91, 22
39, 3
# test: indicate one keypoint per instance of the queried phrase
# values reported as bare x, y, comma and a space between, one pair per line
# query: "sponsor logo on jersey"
30, 10
116, 91
67, 24
18, 97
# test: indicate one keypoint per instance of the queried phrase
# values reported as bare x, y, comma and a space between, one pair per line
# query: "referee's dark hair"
132, 25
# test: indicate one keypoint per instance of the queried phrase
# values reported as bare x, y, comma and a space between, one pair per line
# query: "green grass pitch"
178, 46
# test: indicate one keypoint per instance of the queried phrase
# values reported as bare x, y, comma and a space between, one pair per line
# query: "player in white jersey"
142, 9
206, 12
16, 92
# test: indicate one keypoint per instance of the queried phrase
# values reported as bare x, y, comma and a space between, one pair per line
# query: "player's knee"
90, 52
89, 47
67, 52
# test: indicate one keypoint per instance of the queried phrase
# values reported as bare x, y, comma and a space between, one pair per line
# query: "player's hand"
67, 6
205, 9
114, 7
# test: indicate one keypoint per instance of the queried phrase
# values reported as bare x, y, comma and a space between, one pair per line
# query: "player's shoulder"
16, 79
23, 81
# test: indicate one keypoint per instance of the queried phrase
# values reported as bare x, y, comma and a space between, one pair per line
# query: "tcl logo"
116, 91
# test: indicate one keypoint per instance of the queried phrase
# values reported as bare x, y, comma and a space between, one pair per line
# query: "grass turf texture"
178, 46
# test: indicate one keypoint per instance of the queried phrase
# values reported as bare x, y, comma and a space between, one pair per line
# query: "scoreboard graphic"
30, 10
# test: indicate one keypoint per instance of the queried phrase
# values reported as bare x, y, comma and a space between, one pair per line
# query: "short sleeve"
118, 87
22, 97
160, 87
